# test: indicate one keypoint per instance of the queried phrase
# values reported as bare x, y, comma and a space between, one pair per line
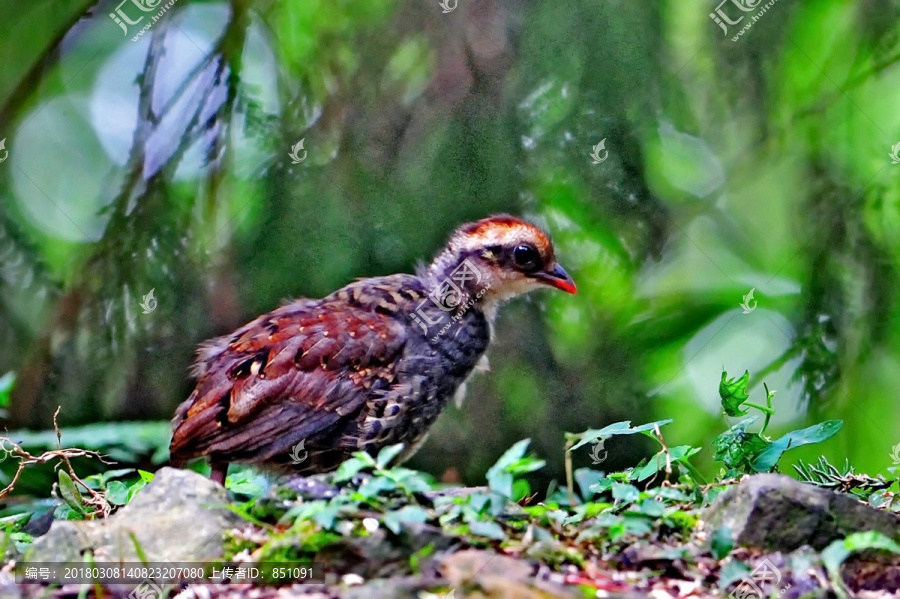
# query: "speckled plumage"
372, 364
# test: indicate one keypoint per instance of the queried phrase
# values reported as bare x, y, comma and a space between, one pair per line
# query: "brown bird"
373, 364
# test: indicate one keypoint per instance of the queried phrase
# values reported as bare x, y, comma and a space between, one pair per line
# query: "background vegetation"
163, 164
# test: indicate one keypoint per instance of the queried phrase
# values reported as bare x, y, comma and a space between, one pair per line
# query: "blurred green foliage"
762, 164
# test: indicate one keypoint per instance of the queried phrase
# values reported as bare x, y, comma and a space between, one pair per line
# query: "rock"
484, 574
179, 517
400, 587
777, 513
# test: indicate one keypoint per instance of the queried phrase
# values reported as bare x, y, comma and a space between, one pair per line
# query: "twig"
63, 454
98, 500
570, 478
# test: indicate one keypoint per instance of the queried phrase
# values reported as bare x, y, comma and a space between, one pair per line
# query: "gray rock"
777, 513
498, 576
179, 517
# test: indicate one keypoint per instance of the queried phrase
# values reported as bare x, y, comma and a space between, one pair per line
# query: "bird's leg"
218, 472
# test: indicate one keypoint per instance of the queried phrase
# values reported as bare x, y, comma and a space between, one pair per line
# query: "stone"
180, 516
487, 575
778, 513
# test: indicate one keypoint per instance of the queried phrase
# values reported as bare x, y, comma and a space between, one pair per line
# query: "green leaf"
633, 524
722, 542
628, 493
411, 481
736, 446
671, 494
603, 485
376, 486
365, 457
734, 393
476, 501
348, 469
521, 489
326, 516
387, 455
500, 483
616, 428
117, 493
767, 458
147, 477
109, 475
244, 482
65, 512
525, 465
658, 462
587, 478
70, 492
491, 530
408, 514
512, 455
14, 522
501, 475
134, 488
651, 508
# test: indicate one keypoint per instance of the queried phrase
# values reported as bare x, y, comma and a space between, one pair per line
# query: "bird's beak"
557, 278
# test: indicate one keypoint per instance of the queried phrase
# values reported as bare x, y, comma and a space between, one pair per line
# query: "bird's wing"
290, 375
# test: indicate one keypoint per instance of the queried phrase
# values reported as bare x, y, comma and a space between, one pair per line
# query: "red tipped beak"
558, 278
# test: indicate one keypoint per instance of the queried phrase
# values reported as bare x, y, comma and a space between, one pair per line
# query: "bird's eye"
526, 258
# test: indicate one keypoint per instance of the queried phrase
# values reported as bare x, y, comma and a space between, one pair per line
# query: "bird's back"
357, 370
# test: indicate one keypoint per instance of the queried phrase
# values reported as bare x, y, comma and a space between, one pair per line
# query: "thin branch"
10, 448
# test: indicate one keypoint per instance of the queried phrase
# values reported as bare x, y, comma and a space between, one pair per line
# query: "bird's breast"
433, 367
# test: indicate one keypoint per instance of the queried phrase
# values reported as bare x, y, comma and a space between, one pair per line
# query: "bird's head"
499, 258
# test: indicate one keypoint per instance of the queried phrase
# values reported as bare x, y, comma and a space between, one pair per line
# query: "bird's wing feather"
292, 374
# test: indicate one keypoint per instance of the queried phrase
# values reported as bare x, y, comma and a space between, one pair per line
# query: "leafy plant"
119, 492
503, 477
743, 451
675, 459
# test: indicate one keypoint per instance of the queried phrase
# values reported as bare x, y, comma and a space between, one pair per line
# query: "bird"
302, 388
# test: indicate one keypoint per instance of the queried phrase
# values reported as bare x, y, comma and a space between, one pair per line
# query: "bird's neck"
454, 279
456, 269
